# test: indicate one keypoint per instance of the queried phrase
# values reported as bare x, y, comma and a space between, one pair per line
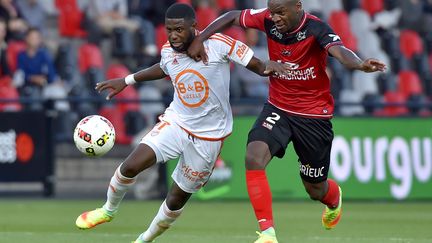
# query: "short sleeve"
253, 18
232, 49
163, 62
326, 37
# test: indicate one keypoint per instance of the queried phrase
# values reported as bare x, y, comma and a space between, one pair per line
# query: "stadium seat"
369, 44
350, 100
122, 43
418, 105
226, 4
372, 6
365, 83
69, 18
13, 49
204, 16
161, 36
340, 23
409, 84
185, 1
7, 91
397, 109
116, 119
89, 56
372, 103
360, 22
386, 82
236, 33
117, 71
65, 61
329, 6
410, 43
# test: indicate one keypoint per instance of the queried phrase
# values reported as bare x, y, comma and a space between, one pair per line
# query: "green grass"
49, 221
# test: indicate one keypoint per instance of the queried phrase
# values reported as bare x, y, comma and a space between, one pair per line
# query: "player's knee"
129, 170
254, 161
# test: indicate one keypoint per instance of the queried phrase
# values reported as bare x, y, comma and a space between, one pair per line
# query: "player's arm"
267, 68
196, 50
350, 60
118, 84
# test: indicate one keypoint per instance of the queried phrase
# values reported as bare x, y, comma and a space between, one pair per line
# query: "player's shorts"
196, 156
312, 139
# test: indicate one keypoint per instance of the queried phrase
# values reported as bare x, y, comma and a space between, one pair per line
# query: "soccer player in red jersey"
299, 106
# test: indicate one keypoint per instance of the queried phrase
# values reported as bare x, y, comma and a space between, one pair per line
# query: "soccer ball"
94, 135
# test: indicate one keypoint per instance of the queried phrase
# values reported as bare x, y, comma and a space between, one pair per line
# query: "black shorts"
312, 139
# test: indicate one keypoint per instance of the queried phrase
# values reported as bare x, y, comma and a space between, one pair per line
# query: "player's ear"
194, 24
299, 6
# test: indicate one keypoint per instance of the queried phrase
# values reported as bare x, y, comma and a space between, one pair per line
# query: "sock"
161, 222
260, 197
269, 231
331, 199
118, 187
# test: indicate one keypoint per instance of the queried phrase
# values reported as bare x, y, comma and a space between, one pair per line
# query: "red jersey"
305, 90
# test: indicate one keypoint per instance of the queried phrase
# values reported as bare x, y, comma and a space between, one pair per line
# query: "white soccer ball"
94, 135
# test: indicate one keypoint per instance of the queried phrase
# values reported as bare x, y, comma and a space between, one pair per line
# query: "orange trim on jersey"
220, 39
205, 138
224, 36
232, 49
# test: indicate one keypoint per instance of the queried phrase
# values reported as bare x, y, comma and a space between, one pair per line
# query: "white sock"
163, 220
269, 231
118, 187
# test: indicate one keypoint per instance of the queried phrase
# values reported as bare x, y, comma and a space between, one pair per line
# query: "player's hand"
373, 65
277, 68
115, 85
197, 51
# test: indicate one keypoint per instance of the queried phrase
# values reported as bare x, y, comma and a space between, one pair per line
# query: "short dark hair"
180, 11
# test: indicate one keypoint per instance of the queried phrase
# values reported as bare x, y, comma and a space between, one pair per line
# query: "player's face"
285, 14
180, 33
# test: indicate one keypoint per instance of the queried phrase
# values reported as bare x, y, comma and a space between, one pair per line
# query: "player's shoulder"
261, 12
315, 25
166, 48
218, 39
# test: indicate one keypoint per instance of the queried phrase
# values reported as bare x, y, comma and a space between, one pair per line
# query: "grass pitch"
49, 221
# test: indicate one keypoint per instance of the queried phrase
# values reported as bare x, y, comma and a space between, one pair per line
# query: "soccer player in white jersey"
192, 128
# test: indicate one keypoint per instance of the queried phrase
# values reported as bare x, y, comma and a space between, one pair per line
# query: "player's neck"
297, 22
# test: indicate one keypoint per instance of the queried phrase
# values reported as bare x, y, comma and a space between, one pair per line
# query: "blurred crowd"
60, 48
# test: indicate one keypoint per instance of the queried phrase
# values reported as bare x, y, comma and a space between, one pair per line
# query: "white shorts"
197, 157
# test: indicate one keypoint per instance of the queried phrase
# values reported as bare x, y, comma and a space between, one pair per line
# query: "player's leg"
124, 177
168, 212
312, 139
269, 136
191, 173
155, 147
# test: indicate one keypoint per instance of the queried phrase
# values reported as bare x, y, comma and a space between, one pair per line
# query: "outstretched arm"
350, 60
118, 84
196, 49
267, 68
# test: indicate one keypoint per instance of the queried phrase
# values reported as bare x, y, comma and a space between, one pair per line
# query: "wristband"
130, 80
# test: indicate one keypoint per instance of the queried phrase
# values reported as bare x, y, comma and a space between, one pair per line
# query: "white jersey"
201, 97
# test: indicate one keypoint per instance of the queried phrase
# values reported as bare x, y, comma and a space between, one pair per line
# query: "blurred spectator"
106, 15
4, 67
153, 11
253, 85
36, 71
33, 13
16, 25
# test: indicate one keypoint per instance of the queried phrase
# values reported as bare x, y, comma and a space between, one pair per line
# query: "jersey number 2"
273, 118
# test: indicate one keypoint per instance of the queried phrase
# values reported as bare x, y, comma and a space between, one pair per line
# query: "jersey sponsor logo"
286, 53
311, 172
301, 35
276, 33
241, 50
267, 125
257, 11
193, 175
335, 37
295, 74
192, 88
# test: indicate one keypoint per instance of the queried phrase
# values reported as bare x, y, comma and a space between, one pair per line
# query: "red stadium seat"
236, 33
13, 49
409, 83
340, 23
372, 6
226, 4
89, 56
185, 1
161, 36
117, 71
69, 18
7, 91
205, 15
393, 97
116, 118
410, 43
